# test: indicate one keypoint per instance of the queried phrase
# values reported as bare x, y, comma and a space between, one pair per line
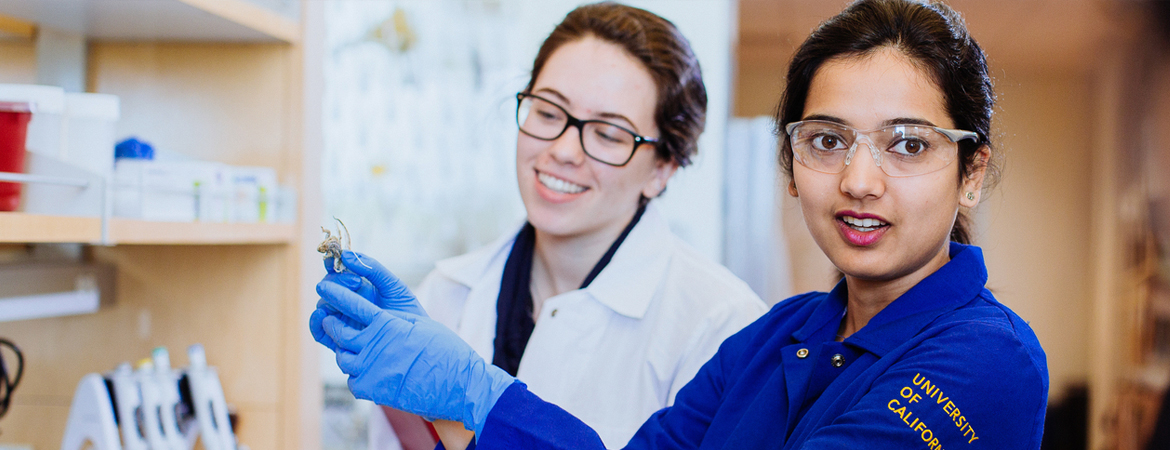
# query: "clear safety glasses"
601, 140
899, 150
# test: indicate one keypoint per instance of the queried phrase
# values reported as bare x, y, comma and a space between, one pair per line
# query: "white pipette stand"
91, 418
150, 405
129, 400
147, 402
167, 382
215, 429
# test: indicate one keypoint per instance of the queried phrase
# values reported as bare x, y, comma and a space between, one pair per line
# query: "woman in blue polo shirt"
886, 122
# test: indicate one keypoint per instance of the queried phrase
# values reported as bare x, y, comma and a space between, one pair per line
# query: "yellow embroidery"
931, 394
934, 392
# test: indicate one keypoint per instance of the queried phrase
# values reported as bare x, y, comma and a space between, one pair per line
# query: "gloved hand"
372, 280
408, 361
316, 324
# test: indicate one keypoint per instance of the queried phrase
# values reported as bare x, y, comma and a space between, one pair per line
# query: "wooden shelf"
124, 232
22, 228
158, 20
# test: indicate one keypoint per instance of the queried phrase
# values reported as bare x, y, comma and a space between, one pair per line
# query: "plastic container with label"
90, 121
14, 118
255, 195
174, 191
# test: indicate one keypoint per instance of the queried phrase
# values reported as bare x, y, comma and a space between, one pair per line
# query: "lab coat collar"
954, 284
626, 285
469, 269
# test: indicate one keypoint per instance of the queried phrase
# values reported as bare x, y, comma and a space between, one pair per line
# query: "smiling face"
871, 226
565, 192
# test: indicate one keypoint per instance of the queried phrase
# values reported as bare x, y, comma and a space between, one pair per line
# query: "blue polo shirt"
945, 366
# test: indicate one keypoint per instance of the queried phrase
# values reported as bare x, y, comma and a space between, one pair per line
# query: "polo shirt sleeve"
520, 419
973, 385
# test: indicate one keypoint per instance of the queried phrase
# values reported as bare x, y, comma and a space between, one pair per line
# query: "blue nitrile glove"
318, 330
408, 361
315, 324
371, 280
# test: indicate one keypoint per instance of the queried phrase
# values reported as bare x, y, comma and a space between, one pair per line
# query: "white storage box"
255, 197
286, 205
213, 190
90, 123
171, 191
62, 200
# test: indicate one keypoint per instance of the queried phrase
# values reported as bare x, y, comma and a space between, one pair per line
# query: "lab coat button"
802, 353
838, 360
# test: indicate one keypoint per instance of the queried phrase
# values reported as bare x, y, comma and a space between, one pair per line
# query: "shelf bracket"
50, 289
53, 187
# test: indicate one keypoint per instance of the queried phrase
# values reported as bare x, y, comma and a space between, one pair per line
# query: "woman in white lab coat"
594, 303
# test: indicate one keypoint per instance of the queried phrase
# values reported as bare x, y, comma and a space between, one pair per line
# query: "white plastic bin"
90, 124
45, 130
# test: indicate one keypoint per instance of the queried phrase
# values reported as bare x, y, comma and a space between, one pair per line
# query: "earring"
970, 196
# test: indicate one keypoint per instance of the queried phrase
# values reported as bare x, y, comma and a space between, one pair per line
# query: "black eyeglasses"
603, 141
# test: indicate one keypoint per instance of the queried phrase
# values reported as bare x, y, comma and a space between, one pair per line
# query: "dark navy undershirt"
514, 323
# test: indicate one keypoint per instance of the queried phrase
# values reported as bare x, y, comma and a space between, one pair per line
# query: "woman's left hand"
404, 360
370, 279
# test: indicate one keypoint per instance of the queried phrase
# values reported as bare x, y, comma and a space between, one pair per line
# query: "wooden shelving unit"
20, 227
216, 80
124, 232
35, 228
158, 20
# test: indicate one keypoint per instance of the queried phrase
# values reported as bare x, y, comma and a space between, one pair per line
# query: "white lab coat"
619, 350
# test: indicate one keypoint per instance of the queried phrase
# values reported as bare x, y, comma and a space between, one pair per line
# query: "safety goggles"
903, 150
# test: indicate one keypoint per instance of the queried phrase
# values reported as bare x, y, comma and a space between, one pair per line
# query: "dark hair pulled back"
932, 35
681, 109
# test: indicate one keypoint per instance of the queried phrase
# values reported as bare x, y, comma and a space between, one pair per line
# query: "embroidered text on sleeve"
935, 394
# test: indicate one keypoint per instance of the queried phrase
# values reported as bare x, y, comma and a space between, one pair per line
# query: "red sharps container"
14, 117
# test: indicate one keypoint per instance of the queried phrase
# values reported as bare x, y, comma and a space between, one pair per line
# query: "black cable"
7, 382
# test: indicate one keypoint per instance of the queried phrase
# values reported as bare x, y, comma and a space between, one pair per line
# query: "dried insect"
331, 246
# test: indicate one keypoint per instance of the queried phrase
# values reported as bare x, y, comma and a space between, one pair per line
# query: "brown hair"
682, 99
931, 34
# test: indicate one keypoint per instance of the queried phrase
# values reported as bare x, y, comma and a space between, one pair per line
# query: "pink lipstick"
860, 229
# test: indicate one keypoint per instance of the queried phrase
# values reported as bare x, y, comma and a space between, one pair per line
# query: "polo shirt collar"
827, 313
954, 284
